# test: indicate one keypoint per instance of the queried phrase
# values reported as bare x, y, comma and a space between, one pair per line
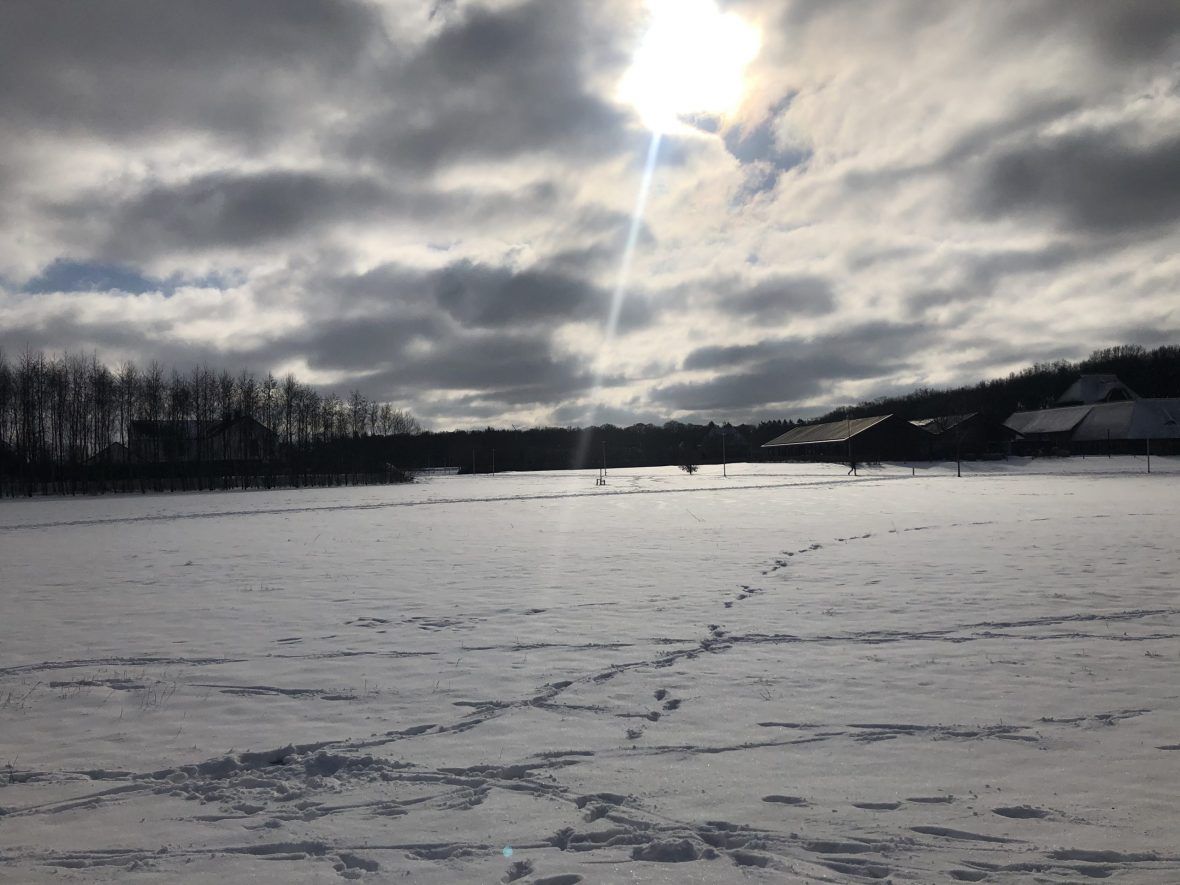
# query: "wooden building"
877, 438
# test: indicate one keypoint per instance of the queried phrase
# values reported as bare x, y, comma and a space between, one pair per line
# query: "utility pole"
493, 462
723, 466
473, 462
1149, 454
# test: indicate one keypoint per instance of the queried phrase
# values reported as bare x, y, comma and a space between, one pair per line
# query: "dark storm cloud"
788, 369
126, 68
499, 83
1095, 182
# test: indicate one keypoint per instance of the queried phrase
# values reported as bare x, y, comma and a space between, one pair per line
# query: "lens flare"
692, 61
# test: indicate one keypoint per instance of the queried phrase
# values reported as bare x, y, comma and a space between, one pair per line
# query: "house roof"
832, 432
1061, 420
1140, 419
1134, 419
1089, 389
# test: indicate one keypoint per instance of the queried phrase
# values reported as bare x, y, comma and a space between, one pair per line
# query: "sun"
691, 61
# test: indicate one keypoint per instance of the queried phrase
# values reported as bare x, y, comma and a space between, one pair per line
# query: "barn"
876, 438
1113, 427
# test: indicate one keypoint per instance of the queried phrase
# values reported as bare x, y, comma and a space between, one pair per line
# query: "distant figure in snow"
851, 469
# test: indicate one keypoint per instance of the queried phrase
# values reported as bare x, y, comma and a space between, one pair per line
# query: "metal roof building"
1101, 425
876, 438
818, 434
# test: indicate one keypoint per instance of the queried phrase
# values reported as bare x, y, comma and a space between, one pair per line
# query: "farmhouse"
877, 438
1098, 415
234, 439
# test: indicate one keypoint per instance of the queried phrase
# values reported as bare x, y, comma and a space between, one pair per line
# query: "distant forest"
60, 414
62, 417
1150, 373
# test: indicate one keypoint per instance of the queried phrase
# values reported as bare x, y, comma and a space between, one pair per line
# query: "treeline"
1150, 373
60, 414
563, 448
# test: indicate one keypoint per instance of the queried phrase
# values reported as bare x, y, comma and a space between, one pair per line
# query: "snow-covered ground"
786, 675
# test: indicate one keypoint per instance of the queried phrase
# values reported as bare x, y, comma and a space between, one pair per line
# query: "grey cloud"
1124, 32
230, 209
482, 296
1094, 182
978, 275
785, 370
780, 298
499, 83
516, 369
123, 69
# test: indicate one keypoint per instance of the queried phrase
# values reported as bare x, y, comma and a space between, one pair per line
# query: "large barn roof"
1089, 389
832, 432
1047, 420
1134, 419
1141, 419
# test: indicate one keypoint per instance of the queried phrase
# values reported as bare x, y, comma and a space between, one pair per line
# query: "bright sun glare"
692, 61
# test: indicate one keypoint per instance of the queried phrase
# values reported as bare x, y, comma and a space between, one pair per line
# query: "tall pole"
723, 465
1149, 454
473, 462
493, 462
848, 419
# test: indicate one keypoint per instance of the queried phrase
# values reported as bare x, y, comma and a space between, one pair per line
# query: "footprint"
518, 870
877, 806
968, 875
786, 800
1021, 812
672, 704
564, 879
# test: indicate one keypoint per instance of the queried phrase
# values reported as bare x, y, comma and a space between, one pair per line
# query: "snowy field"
786, 675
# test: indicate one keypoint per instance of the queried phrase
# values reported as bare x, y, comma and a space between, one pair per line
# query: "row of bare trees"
63, 409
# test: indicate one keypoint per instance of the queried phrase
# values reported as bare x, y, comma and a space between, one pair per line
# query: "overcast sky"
430, 202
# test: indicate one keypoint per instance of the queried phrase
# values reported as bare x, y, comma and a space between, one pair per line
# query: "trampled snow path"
786, 675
